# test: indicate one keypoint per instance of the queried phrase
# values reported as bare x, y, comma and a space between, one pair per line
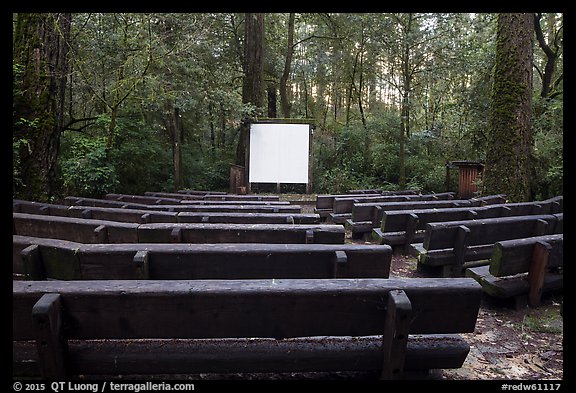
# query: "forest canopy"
135, 102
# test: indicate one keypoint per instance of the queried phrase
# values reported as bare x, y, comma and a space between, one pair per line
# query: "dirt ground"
524, 344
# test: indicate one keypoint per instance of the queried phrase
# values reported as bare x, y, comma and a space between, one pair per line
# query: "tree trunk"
177, 120
41, 54
272, 113
284, 102
509, 153
551, 56
174, 128
253, 84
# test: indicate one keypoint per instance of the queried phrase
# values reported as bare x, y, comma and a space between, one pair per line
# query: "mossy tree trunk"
41, 69
510, 140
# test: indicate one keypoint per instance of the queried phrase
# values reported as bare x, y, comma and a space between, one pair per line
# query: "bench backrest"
511, 257
442, 235
245, 308
57, 259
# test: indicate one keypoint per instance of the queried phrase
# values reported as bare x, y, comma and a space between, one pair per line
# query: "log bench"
453, 246
325, 202
200, 192
146, 200
101, 231
391, 327
367, 216
523, 269
403, 227
144, 216
346, 204
203, 207
227, 197
41, 259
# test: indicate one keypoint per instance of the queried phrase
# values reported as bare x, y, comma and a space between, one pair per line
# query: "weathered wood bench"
325, 202
367, 216
454, 246
523, 269
392, 327
101, 231
144, 216
217, 202
200, 192
346, 204
40, 258
403, 227
227, 197
240, 233
146, 200
218, 207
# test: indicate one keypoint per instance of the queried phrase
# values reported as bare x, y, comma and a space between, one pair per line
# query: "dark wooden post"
47, 315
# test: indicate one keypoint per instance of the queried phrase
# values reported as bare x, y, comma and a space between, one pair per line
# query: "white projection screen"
279, 153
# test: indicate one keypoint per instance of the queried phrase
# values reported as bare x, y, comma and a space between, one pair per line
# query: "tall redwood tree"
509, 155
40, 64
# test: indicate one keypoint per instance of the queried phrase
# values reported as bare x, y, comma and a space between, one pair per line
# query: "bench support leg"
411, 228
460, 249
47, 317
537, 271
395, 337
32, 261
142, 265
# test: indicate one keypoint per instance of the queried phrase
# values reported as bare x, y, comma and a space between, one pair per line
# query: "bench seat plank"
318, 354
511, 286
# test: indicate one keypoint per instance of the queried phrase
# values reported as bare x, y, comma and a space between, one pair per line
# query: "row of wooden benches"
203, 214
367, 216
109, 327
506, 273
85, 230
330, 204
403, 227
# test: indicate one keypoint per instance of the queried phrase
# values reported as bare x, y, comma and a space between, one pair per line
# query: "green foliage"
85, 170
548, 149
143, 66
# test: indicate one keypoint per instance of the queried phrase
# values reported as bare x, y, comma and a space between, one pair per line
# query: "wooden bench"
325, 202
240, 233
367, 216
63, 329
200, 192
403, 227
214, 202
101, 231
39, 259
146, 200
202, 207
523, 269
454, 246
346, 204
227, 197
144, 216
